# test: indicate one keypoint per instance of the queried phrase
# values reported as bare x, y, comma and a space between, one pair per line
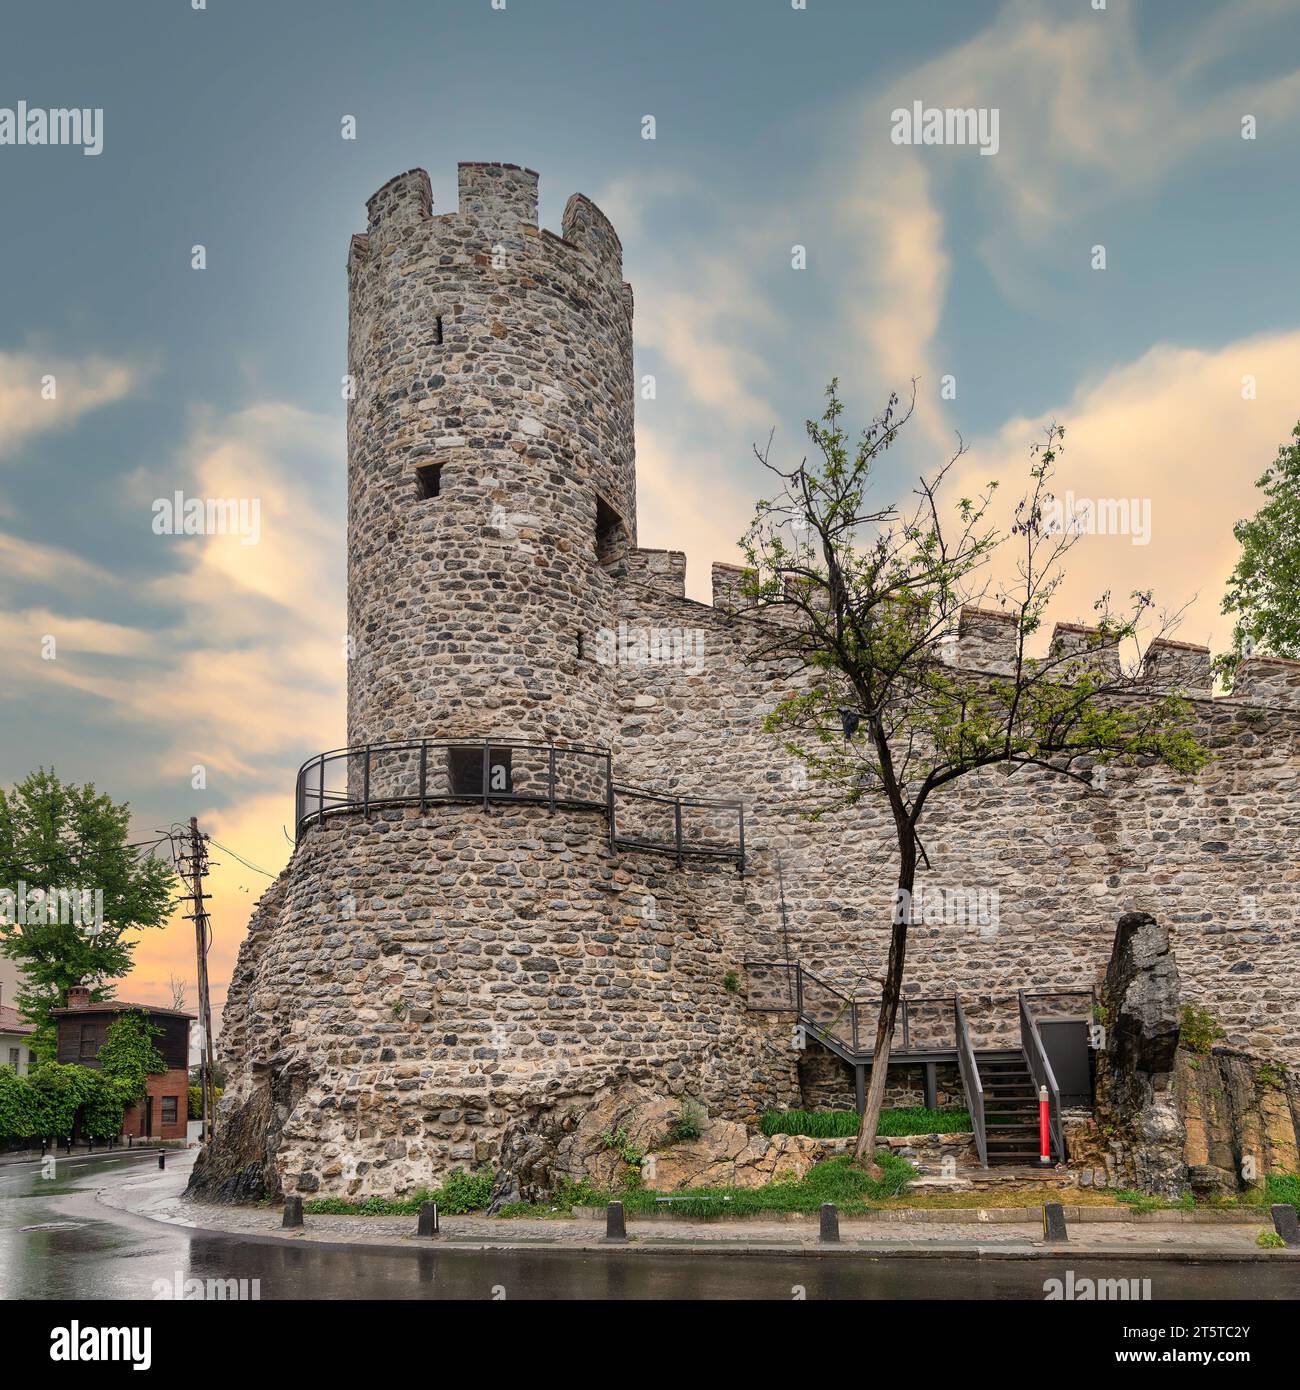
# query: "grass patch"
843, 1124
460, 1193
1284, 1188
1270, 1240
1144, 1201
835, 1180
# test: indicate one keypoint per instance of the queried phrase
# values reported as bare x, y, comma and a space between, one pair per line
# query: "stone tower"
491, 480
455, 973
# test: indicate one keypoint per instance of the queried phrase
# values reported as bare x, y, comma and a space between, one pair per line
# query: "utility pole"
196, 867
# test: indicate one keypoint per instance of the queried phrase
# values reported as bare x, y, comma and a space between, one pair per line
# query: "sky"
1121, 259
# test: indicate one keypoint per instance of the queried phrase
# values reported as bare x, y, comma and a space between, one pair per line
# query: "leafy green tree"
101, 1117
60, 1091
128, 1057
19, 1111
860, 599
62, 838
1264, 589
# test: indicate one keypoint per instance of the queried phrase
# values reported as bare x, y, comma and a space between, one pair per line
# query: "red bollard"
1044, 1139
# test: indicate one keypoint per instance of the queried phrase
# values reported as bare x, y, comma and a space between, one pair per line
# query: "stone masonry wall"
426, 990
429, 978
1214, 856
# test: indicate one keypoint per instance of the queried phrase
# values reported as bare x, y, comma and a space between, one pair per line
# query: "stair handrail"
821, 1031
968, 1067
1040, 1068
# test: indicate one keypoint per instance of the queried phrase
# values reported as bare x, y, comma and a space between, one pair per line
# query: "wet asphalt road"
57, 1242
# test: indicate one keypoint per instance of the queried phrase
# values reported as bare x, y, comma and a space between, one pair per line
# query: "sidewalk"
82, 1151
158, 1197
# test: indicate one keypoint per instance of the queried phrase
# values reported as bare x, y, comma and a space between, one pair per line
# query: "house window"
428, 478
169, 1110
89, 1040
13, 1058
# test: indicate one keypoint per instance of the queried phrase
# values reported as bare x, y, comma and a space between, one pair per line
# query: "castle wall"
1214, 855
421, 987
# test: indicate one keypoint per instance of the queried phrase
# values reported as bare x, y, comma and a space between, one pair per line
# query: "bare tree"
864, 598
179, 990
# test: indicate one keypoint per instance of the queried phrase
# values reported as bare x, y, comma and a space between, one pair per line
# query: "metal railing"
925, 1024
1031, 1043
971, 1083
497, 771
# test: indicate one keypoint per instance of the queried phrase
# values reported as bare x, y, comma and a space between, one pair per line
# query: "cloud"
240, 666
81, 385
1170, 427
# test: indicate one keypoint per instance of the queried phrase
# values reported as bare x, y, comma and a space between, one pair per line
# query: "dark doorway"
466, 768
146, 1123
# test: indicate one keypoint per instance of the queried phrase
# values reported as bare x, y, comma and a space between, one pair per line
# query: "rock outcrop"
627, 1135
1137, 1103
1242, 1118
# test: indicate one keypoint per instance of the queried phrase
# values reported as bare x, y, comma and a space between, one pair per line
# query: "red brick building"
82, 1030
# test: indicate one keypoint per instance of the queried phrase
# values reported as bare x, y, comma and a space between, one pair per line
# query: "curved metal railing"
501, 771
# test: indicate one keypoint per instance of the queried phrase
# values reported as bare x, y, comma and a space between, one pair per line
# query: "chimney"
78, 997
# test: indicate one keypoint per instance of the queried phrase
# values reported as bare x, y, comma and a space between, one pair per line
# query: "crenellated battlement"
1185, 666
497, 204
1268, 680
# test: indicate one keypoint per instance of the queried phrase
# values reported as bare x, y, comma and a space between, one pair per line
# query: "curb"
641, 1247
962, 1216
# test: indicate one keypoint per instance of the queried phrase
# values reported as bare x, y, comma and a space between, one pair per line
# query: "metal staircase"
1001, 1083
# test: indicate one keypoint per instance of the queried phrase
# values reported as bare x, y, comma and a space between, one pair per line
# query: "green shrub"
19, 1110
731, 982
194, 1107
460, 1192
1284, 1188
618, 1141
1270, 1240
688, 1125
1271, 1075
1198, 1029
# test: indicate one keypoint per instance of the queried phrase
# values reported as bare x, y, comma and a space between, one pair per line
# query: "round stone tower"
491, 480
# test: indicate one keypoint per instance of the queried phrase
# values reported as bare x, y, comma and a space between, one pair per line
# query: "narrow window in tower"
437, 330
610, 533
428, 478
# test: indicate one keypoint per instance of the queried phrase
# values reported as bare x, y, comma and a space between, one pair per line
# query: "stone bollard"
1054, 1232
292, 1213
428, 1225
1285, 1223
830, 1227
162, 1160
615, 1225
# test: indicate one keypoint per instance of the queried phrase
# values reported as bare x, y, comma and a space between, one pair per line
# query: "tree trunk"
890, 996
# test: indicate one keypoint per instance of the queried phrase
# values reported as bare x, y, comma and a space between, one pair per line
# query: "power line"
256, 868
